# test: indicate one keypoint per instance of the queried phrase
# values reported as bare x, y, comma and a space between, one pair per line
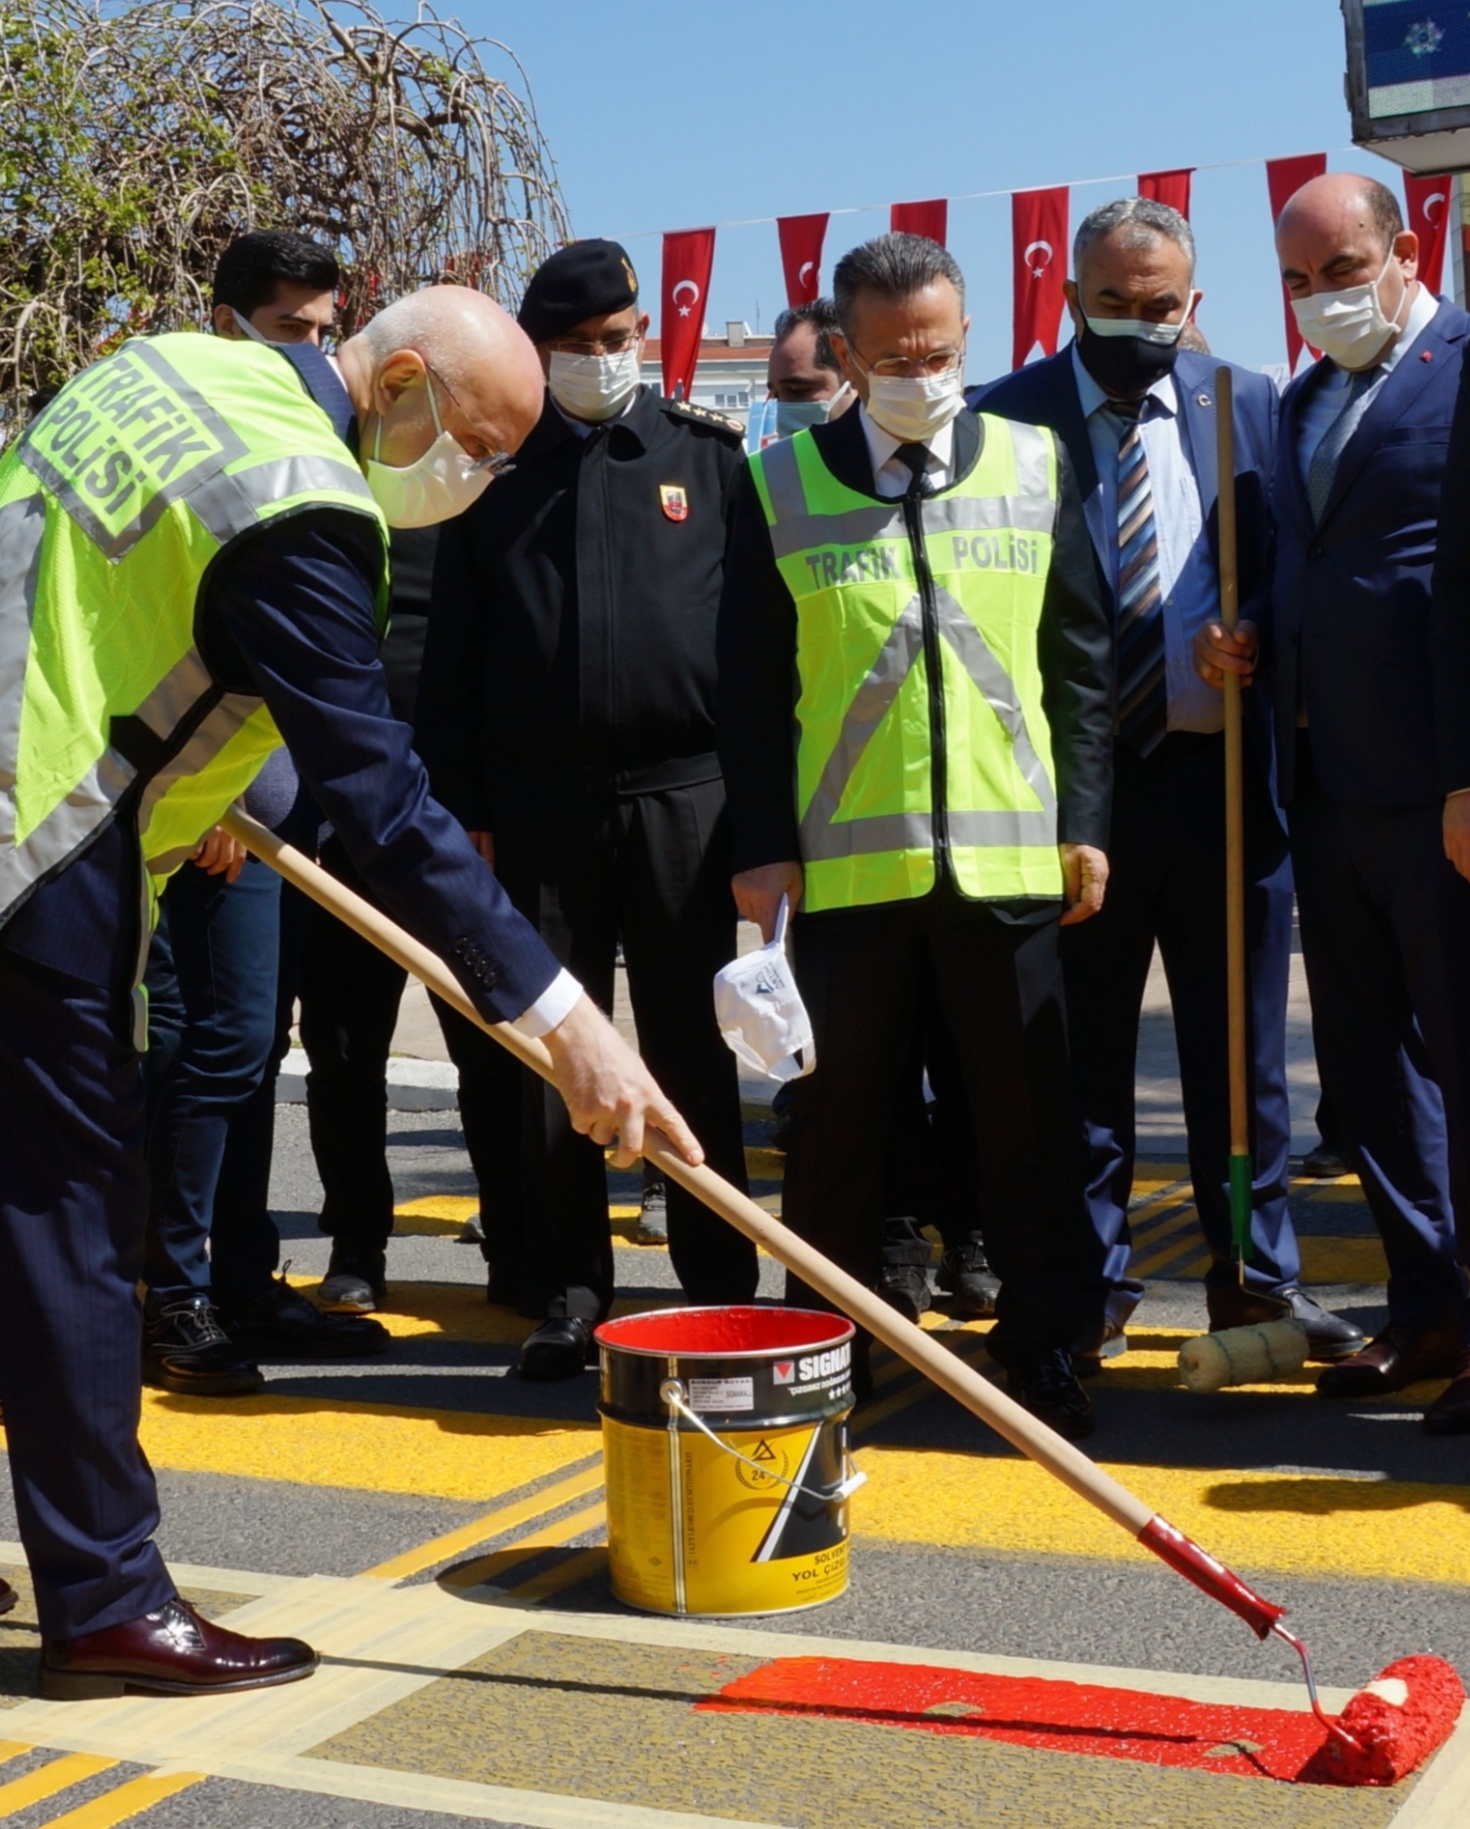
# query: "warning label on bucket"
722, 1393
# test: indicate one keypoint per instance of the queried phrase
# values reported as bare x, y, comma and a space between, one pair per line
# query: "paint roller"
1382, 1737
1243, 1355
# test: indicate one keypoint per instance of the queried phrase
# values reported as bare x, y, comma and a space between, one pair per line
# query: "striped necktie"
1322, 470
1143, 701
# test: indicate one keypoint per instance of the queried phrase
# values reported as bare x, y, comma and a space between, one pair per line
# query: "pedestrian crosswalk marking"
56, 1775
126, 1801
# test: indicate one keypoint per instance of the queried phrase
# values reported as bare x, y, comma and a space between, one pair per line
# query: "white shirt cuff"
553, 1006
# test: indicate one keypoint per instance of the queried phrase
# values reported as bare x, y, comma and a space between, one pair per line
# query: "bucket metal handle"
672, 1393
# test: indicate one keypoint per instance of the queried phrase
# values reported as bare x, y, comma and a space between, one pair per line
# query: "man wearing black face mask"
1137, 416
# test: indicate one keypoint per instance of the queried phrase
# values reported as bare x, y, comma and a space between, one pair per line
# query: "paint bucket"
724, 1443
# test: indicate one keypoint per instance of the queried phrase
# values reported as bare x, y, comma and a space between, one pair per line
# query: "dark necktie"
1322, 470
916, 458
1143, 700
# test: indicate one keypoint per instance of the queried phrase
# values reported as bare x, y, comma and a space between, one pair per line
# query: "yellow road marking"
1305, 1524
568, 1574
333, 1441
485, 1568
1343, 1260
12, 1749
127, 1801
913, 1393
48, 1779
1151, 1265
492, 1524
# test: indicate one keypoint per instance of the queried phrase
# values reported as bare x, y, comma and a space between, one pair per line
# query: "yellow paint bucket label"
725, 1459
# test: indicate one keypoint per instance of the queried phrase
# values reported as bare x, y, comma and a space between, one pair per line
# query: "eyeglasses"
940, 362
616, 343
497, 463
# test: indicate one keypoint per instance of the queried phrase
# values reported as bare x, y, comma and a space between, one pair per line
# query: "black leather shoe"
1449, 1414
1045, 1384
965, 1274
356, 1282
282, 1324
1324, 1164
174, 1652
560, 1348
905, 1288
8, 1597
187, 1351
1397, 1357
1330, 1338
653, 1216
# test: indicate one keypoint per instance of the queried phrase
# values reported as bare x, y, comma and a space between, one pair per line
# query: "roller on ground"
1403, 1731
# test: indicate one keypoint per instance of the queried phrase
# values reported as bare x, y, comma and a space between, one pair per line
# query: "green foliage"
137, 140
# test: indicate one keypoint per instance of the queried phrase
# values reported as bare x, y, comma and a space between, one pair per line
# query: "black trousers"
350, 994
73, 1202
1385, 922
654, 871
866, 976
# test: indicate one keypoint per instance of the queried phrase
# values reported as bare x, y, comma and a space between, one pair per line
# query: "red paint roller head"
1396, 1722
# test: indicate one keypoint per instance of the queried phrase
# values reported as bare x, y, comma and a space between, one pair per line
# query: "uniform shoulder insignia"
702, 415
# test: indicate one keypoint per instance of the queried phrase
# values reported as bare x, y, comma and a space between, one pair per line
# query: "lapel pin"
1203, 399
1426, 355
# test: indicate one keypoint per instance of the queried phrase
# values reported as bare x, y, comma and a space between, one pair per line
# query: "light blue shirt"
1187, 574
1323, 403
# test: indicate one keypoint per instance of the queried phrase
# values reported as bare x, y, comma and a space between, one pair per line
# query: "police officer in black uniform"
566, 713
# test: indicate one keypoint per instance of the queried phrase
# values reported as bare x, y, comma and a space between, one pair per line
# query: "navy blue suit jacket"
1351, 624
1045, 393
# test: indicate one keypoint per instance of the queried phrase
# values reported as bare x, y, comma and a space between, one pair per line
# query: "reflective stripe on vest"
854, 570
114, 505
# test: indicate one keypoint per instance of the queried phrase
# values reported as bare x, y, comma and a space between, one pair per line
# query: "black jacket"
757, 659
571, 639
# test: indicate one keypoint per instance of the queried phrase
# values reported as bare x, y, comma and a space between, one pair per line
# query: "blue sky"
666, 116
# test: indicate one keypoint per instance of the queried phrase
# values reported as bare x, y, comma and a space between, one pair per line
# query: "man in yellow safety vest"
911, 601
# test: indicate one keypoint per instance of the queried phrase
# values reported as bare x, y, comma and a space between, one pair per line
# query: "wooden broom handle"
966, 1386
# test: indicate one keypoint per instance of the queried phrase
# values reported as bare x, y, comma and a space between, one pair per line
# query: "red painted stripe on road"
1060, 1717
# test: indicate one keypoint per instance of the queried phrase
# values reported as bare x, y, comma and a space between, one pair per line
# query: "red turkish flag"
1429, 202
931, 219
1039, 241
1284, 177
1171, 187
689, 255
801, 256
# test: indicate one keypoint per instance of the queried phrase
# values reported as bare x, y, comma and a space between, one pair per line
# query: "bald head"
484, 362
1342, 231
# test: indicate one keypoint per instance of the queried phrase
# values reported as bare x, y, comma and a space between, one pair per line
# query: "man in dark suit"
1137, 416
910, 593
1348, 638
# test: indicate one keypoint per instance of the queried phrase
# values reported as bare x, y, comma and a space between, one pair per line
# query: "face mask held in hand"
760, 1012
435, 487
1349, 326
594, 387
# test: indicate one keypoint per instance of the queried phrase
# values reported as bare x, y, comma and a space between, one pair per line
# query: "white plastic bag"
760, 1011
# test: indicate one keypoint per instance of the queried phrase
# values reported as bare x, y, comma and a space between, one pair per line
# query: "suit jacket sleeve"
1076, 651
1450, 611
290, 615
755, 648
451, 686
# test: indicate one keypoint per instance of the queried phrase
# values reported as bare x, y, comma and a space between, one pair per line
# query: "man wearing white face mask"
1372, 765
187, 523
804, 381
566, 713
910, 594
1138, 418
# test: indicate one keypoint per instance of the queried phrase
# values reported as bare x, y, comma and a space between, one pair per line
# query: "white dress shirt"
1325, 401
891, 477
1188, 578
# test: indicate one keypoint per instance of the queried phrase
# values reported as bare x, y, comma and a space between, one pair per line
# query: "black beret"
587, 280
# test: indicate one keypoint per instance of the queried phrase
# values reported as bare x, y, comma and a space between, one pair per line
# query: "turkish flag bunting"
1039, 240
1284, 177
801, 256
931, 219
689, 256
1429, 202
1171, 187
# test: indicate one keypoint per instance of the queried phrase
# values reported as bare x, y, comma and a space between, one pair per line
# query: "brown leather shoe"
1397, 1357
173, 1652
1449, 1414
8, 1597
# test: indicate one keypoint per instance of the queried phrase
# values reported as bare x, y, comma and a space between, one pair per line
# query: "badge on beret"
674, 501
